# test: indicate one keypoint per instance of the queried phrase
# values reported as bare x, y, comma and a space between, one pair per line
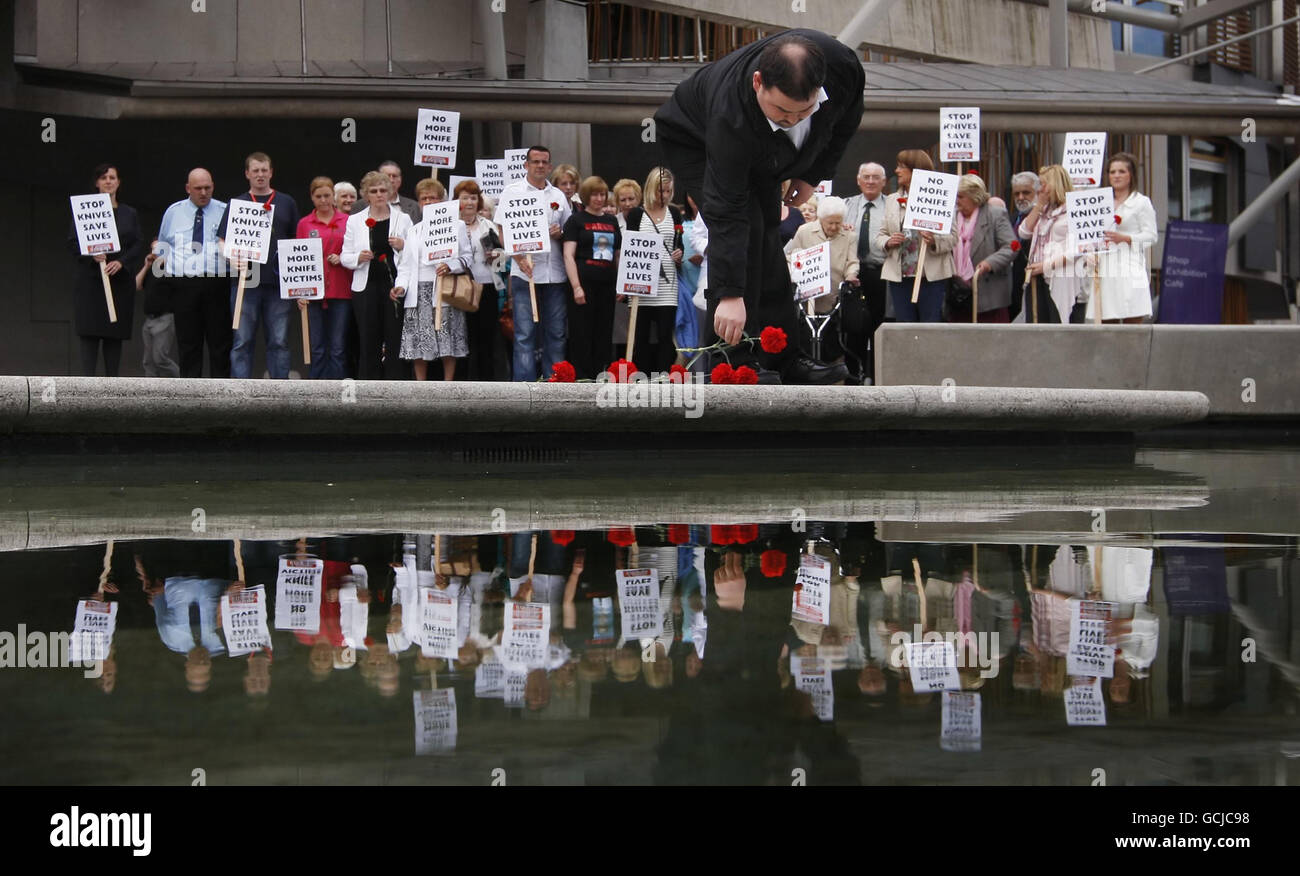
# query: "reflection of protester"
590, 239
178, 578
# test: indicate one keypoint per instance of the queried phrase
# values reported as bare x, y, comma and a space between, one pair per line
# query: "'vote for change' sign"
435, 137
302, 269
523, 224
96, 227
1092, 214
490, 174
638, 266
248, 231
1084, 155
515, 160
440, 239
811, 271
959, 133
931, 200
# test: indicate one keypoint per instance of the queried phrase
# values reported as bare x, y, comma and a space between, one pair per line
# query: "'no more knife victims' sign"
523, 223
1085, 154
302, 269
638, 268
959, 133
931, 201
490, 174
436, 132
96, 227
440, 238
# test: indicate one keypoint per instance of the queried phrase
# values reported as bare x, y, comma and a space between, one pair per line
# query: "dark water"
719, 661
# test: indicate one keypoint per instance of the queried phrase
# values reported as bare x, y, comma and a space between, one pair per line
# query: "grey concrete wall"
1231, 365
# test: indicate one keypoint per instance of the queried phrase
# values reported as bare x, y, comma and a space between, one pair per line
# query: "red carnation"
1015, 246
562, 537
722, 534
902, 202
744, 533
562, 372
266, 206
623, 536
621, 370
772, 563
722, 374
799, 265
370, 223
744, 376
678, 374
383, 256
772, 339
1118, 219
677, 229
554, 205
969, 172
678, 533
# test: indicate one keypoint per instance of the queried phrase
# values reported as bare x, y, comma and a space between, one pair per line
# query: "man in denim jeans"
545, 336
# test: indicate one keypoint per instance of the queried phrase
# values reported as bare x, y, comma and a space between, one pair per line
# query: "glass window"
1175, 178
1207, 196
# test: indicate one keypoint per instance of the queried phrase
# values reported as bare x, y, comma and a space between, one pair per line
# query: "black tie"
864, 236
197, 238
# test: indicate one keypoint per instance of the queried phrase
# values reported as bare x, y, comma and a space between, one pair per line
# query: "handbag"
460, 291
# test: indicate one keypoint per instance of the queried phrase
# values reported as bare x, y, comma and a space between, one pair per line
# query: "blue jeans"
530, 342
928, 306
262, 304
329, 337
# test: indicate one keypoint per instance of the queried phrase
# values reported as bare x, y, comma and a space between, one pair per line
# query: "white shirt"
548, 268
798, 132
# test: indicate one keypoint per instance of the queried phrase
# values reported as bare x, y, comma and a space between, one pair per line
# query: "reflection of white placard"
435, 138
490, 174
523, 223
638, 598
933, 666
490, 679
931, 201
514, 680
243, 618
527, 633
1091, 214
1084, 157
248, 231
435, 721
961, 722
96, 227
440, 238
810, 269
437, 623
302, 269
812, 590
812, 675
298, 594
1083, 703
823, 188
1090, 652
515, 162
959, 133
638, 266
354, 617
92, 631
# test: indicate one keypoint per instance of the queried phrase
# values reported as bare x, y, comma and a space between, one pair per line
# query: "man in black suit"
780, 108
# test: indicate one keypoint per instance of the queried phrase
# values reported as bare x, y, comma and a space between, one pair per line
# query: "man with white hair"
829, 228
863, 215
1024, 189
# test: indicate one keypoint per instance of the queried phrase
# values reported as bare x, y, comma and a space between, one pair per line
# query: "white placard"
354, 617
435, 721
516, 161
96, 225
437, 623
638, 599
1090, 651
959, 133
1091, 214
248, 231
490, 679
527, 633
823, 188
1084, 158
933, 666
454, 181
298, 594
812, 594
440, 240
1084, 706
812, 675
243, 618
639, 262
810, 269
92, 631
931, 201
961, 722
302, 269
436, 132
524, 226
514, 680
490, 174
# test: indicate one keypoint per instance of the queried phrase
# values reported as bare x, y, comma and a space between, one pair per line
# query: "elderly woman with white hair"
985, 247
829, 228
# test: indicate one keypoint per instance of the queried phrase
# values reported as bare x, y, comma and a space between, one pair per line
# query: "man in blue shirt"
262, 302
191, 257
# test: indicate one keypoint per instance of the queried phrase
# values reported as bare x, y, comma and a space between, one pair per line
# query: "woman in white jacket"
372, 247
1047, 228
417, 283
1125, 278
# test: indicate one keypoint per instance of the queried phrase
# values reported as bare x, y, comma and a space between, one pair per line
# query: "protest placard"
959, 133
812, 675
823, 188
812, 590
97, 235
490, 174
1084, 706
933, 666
810, 269
243, 619
436, 133
1091, 214
1090, 651
638, 599
440, 241
248, 237
298, 584
931, 201
489, 679
961, 722
453, 181
302, 269
515, 163
437, 623
92, 631
638, 267
527, 633
435, 721
514, 680
1084, 158
524, 226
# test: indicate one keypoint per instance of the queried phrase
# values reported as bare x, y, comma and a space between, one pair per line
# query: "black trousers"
590, 327
379, 337
484, 331
202, 309
90, 355
660, 355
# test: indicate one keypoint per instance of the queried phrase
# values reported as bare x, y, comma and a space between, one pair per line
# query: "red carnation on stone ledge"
562, 372
370, 223
562, 537
678, 374
744, 376
621, 371
772, 564
722, 374
772, 339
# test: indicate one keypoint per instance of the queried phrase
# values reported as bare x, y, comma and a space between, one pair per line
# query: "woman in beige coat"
902, 251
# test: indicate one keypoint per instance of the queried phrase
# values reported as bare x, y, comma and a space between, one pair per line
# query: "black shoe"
806, 371
768, 378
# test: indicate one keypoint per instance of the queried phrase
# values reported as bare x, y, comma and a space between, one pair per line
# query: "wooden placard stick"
920, 590
306, 337
532, 291
108, 565
1096, 293
631, 328
239, 297
108, 291
920, 269
239, 561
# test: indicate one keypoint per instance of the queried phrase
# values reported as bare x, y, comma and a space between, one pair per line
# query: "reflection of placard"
354, 617
243, 618
638, 598
961, 722
437, 623
489, 679
959, 133
516, 161
96, 226
435, 137
92, 631
931, 200
298, 594
435, 721
302, 269
514, 680
248, 231
490, 174
523, 223
1090, 651
810, 269
812, 590
638, 266
440, 237
933, 666
812, 675
1091, 215
1083, 703
527, 633
1084, 156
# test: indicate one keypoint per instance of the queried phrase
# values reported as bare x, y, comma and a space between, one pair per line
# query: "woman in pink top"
328, 319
